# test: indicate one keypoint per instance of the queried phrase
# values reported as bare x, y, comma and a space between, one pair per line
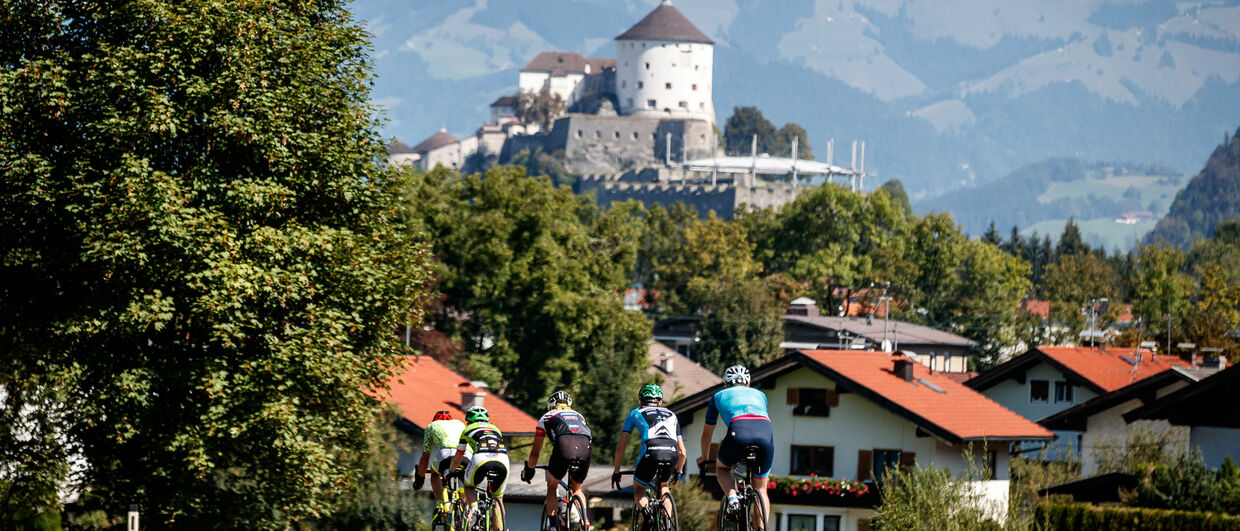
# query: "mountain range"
946, 94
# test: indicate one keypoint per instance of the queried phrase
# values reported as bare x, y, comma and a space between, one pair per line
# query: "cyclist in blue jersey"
663, 448
744, 413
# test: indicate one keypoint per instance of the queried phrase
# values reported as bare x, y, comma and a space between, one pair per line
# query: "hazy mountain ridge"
944, 95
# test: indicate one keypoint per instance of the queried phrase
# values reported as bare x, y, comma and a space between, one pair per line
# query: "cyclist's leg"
643, 473
729, 454
557, 467
471, 482
762, 435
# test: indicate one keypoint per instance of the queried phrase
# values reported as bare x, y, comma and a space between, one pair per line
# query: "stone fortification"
604, 144
651, 187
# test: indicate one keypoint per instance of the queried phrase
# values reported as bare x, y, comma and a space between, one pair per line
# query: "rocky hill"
1211, 197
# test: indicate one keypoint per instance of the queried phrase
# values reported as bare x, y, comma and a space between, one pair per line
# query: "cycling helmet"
557, 398
442, 415
477, 414
736, 374
650, 392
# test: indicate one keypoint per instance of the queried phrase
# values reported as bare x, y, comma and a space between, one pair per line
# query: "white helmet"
557, 398
736, 374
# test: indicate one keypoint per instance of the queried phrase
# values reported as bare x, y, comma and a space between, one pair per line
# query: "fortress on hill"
639, 126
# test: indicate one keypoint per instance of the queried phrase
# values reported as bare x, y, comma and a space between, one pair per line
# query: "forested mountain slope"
1211, 197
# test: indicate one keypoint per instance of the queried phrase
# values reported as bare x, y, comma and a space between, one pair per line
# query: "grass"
1112, 235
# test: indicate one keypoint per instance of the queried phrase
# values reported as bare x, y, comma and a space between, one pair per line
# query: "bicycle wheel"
478, 516
668, 519
497, 513
460, 515
726, 522
542, 523
576, 517
755, 516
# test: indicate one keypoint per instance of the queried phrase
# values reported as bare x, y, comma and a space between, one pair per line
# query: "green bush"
1085, 517
1187, 484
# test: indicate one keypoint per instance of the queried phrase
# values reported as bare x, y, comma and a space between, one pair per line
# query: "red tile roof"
560, 63
933, 401
1112, 368
959, 377
426, 386
1037, 308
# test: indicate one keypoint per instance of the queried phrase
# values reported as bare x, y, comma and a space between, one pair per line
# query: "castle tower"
664, 68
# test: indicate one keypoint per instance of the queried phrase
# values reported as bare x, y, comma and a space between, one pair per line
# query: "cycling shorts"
660, 457
742, 433
441, 459
484, 464
570, 450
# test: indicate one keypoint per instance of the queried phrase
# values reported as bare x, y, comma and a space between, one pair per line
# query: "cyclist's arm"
624, 441
423, 463
680, 460
708, 431
535, 449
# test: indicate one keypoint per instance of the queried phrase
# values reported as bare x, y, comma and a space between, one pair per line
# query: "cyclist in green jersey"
490, 457
439, 443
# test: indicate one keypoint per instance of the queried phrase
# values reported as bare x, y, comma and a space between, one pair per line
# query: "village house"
1208, 409
1048, 380
851, 415
676, 373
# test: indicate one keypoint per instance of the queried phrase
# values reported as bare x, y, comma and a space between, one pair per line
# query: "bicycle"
665, 517
751, 516
480, 517
453, 518
571, 515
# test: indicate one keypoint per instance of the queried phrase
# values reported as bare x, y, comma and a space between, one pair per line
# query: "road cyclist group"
462, 457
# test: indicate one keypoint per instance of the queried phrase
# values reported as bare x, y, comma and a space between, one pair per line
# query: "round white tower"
665, 67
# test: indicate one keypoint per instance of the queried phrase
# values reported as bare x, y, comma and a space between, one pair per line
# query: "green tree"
1071, 242
895, 190
1162, 290
1222, 250
740, 128
532, 278
203, 262
539, 108
1076, 280
781, 143
992, 235
992, 285
1216, 312
662, 240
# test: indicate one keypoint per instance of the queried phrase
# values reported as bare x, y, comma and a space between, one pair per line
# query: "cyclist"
663, 447
570, 440
745, 415
439, 443
490, 455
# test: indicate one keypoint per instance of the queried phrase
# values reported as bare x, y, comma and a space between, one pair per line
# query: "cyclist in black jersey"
570, 440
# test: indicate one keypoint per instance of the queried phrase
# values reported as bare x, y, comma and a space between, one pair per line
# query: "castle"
640, 126
651, 103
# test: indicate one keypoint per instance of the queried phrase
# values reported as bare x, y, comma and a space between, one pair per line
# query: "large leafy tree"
532, 278
1162, 290
202, 265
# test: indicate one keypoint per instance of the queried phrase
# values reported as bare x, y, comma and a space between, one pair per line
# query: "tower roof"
665, 23
440, 139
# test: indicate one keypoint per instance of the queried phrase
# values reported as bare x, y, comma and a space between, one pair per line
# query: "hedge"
1085, 517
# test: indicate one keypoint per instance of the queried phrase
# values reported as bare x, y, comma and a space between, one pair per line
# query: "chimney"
667, 364
903, 368
470, 396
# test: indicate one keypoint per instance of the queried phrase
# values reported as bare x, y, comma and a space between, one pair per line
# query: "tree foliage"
532, 278
539, 108
1211, 197
202, 260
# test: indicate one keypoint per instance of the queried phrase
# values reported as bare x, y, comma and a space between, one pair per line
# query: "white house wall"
1216, 444
1106, 432
849, 517
1015, 395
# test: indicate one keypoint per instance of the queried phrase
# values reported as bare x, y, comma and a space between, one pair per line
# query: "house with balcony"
1045, 381
1207, 409
852, 415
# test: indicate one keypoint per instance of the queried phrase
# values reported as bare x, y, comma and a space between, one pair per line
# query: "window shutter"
907, 460
794, 396
865, 465
833, 399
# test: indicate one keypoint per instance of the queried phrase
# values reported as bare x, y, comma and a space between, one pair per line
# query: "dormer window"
1039, 391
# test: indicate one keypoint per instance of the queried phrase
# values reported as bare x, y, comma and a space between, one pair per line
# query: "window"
813, 460
578, 133
684, 105
1063, 391
702, 106
617, 134
650, 104
634, 135
640, 84
885, 460
695, 67
694, 86
647, 66
831, 522
624, 84
1039, 391
598, 134
802, 522
630, 103
667, 86
812, 402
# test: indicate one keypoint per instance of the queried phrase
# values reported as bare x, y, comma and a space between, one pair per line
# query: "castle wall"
665, 79
724, 199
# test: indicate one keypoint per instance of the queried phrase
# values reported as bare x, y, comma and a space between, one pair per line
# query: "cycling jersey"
442, 434
559, 422
482, 437
737, 402
654, 422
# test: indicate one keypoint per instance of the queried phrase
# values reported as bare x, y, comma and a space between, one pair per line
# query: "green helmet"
477, 414
650, 392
